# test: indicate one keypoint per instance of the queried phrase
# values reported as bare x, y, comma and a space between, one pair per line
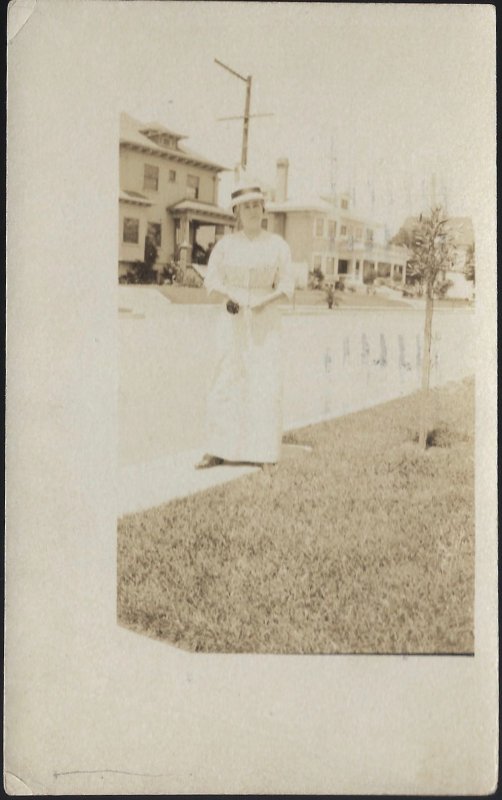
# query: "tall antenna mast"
247, 115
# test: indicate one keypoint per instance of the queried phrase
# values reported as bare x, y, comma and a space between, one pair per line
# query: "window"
331, 229
343, 230
330, 265
369, 235
151, 178
193, 187
359, 233
131, 230
344, 203
318, 261
343, 266
172, 175
319, 227
264, 224
154, 232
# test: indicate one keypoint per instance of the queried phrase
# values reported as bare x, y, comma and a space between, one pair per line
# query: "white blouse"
249, 269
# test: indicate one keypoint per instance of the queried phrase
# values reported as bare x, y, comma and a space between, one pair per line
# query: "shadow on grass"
443, 436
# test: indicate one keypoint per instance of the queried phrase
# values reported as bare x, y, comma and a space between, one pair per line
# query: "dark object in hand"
232, 308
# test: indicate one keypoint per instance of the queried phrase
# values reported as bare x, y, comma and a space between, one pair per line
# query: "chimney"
282, 180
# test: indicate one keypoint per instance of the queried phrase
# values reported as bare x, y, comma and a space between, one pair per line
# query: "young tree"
432, 254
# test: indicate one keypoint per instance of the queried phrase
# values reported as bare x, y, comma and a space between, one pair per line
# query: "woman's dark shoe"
209, 461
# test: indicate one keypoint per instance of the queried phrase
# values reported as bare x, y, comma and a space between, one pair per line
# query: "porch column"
391, 271
185, 240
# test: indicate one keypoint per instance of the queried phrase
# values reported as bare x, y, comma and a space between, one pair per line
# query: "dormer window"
168, 141
161, 138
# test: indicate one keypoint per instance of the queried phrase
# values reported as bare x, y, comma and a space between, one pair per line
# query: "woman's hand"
232, 307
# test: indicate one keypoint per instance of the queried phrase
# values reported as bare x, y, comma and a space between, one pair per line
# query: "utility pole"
247, 114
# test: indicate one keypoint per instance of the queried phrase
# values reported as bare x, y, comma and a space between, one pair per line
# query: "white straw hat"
245, 191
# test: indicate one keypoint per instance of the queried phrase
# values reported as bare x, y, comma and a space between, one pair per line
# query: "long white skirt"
244, 410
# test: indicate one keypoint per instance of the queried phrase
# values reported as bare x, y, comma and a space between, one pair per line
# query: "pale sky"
395, 88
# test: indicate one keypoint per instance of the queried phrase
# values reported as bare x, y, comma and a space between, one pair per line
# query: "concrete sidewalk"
146, 485
334, 364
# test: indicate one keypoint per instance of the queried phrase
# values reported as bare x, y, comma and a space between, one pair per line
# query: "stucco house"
168, 192
326, 233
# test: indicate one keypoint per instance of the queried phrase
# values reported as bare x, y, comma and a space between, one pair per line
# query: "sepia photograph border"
87, 710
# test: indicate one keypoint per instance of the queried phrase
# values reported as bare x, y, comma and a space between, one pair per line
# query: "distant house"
327, 234
167, 192
461, 232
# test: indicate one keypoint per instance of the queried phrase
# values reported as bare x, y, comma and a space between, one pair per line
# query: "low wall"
335, 362
348, 360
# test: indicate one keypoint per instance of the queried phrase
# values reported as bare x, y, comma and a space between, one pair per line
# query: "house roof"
134, 197
132, 134
157, 127
198, 209
315, 204
319, 204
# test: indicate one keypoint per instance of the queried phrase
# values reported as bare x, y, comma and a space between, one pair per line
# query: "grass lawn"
364, 545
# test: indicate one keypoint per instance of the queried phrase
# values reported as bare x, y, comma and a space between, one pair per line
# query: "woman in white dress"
251, 271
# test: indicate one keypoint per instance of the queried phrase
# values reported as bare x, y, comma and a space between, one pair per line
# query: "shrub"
192, 279
316, 279
140, 272
170, 272
187, 276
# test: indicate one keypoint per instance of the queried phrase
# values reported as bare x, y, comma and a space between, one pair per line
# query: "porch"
197, 228
364, 264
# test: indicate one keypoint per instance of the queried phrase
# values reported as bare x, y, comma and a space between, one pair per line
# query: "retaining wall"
335, 362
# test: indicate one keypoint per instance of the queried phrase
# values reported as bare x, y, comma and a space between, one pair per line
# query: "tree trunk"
426, 369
